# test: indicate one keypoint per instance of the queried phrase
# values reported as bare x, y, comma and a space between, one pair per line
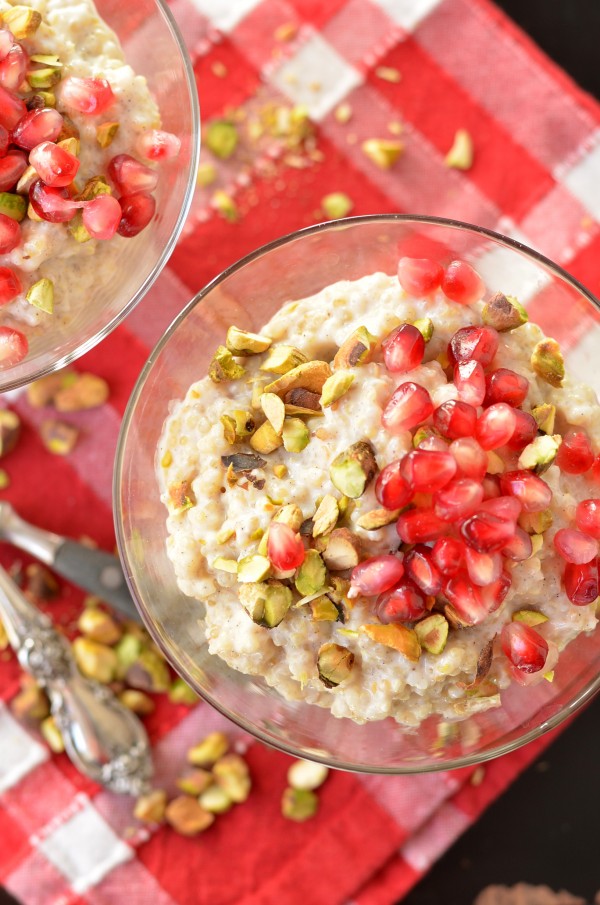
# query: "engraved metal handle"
104, 739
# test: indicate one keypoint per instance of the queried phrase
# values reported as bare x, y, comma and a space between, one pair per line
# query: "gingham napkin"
434, 66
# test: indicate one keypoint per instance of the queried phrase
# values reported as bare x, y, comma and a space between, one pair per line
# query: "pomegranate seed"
12, 109
13, 68
130, 176
519, 547
455, 419
475, 344
158, 145
471, 459
587, 517
469, 380
391, 490
10, 285
55, 166
421, 570
12, 167
285, 549
101, 216
461, 283
403, 604
137, 211
496, 426
375, 575
494, 594
458, 500
506, 507
491, 487
10, 234
574, 546
466, 603
419, 276
524, 647
575, 454
448, 555
525, 431
6, 42
409, 405
420, 525
38, 126
427, 469
581, 582
403, 349
54, 205
13, 347
486, 533
433, 443
533, 494
483, 568
89, 96
504, 385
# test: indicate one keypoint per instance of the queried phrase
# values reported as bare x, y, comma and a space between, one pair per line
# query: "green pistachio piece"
52, 735
548, 363
149, 673
529, 617
127, 650
223, 367
45, 77
536, 522
137, 701
221, 137
396, 636
423, 433
358, 349
265, 439
432, 633
241, 342
222, 564
352, 470
48, 97
336, 205
106, 134
207, 752
46, 59
274, 410
181, 496
181, 693
323, 609
215, 800
237, 426
41, 295
280, 471
206, 175
194, 782
228, 428
95, 661
343, 550
232, 775
22, 21
98, 625
383, 152
309, 376
539, 455
266, 602
537, 542
299, 804
282, 359
335, 387
504, 312
13, 206
296, 435
326, 516
425, 327
77, 230
311, 577
544, 415
378, 518
94, 187
334, 664
290, 515
253, 568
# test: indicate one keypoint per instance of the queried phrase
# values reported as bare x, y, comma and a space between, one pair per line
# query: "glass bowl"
248, 294
154, 48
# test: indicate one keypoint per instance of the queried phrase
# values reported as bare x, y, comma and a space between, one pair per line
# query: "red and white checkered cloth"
536, 177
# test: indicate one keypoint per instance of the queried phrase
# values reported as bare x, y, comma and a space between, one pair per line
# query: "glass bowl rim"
434, 766
166, 252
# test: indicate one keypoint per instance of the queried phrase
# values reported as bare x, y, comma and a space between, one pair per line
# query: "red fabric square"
219, 94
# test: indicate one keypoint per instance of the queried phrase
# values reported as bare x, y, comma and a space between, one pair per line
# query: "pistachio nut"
22, 21
41, 295
127, 650
58, 437
504, 312
302, 400
343, 550
24, 184
336, 205
151, 807
99, 626
377, 518
290, 515
253, 568
336, 386
181, 693
31, 703
265, 439
274, 409
280, 471
432, 633
224, 564
544, 415
186, 816
299, 804
87, 391
77, 230
358, 349
149, 672
325, 518
215, 800
106, 134
209, 750
181, 496
240, 342
228, 429
529, 617
137, 701
95, 661
425, 327
223, 367
94, 187
13, 206
206, 175
221, 137
295, 434
309, 376
194, 782
44, 78
334, 664
73, 146
537, 542
338, 592
307, 775
353, 469
539, 455
10, 431
460, 155
52, 735
383, 152
232, 775
323, 609
266, 603
282, 359
396, 636
536, 522
495, 463
311, 576
548, 363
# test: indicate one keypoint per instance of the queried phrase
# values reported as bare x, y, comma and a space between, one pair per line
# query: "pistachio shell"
310, 376
282, 359
311, 577
296, 435
548, 363
326, 516
304, 400
334, 664
377, 518
504, 312
223, 367
253, 568
544, 415
529, 617
353, 469
265, 439
432, 633
539, 455
396, 636
241, 342
358, 349
274, 410
335, 387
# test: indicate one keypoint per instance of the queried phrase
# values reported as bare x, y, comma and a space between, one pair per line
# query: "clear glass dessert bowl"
154, 48
247, 295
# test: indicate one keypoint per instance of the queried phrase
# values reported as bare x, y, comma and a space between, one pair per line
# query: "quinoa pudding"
384, 503
79, 137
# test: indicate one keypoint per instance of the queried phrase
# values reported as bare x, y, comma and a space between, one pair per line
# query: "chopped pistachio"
48, 98
460, 155
13, 206
77, 230
85, 391
31, 703
544, 415
357, 349
194, 782
46, 59
504, 312
396, 636
106, 134
73, 146
186, 816
10, 431
295, 435
388, 74
151, 806
149, 672
307, 775
311, 576
4, 479
495, 463
93, 188
265, 603
44, 77
243, 462
221, 137
334, 664
383, 152
223, 367
539, 455
253, 568
290, 515
378, 518
222, 564
274, 410
323, 609
181, 693
293, 410
96, 661
228, 429
303, 400
536, 522
326, 516
336, 386
537, 542
280, 471
339, 592
336, 205
299, 804
282, 359
215, 800
432, 633
265, 439
181, 496
353, 469
425, 327
206, 175
58, 437
41, 295
225, 534
529, 617
343, 113
137, 701
52, 735
244, 423
310, 376
22, 21
241, 342
127, 650
548, 363
98, 625
24, 184
232, 775
209, 750
343, 550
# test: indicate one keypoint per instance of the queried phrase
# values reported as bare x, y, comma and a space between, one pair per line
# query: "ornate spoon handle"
104, 739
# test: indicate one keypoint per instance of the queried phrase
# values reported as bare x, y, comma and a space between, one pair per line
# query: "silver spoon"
104, 739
